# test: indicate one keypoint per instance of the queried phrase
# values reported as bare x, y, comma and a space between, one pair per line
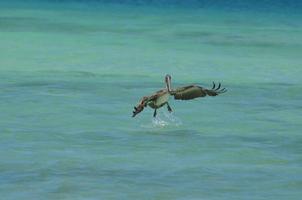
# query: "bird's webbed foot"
169, 108
154, 114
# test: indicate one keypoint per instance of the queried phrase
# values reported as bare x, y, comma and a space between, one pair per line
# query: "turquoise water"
71, 72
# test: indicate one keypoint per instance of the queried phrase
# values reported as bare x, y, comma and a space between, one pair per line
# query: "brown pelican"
161, 97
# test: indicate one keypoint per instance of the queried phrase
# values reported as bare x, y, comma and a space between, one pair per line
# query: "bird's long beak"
137, 109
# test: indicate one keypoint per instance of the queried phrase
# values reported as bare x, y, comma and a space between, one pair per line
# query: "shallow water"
70, 74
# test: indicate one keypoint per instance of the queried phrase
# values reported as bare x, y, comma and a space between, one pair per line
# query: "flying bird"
161, 97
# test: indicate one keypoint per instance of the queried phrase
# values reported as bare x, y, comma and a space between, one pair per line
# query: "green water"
71, 73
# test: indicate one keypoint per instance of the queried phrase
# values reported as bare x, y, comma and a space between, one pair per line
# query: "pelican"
161, 97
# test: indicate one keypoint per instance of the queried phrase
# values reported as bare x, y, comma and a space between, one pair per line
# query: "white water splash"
163, 119
172, 118
158, 122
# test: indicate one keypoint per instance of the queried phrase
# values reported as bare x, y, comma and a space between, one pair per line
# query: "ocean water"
71, 72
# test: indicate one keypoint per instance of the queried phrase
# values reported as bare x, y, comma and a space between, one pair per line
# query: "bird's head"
140, 107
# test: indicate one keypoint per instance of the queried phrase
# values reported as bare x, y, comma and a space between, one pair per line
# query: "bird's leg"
154, 114
169, 108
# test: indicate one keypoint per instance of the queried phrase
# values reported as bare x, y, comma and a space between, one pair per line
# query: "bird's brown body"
161, 97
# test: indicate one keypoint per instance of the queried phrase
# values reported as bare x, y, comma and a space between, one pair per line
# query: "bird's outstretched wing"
194, 91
